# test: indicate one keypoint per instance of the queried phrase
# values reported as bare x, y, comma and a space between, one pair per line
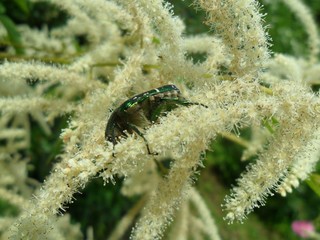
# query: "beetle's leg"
123, 132
113, 142
155, 113
163, 166
183, 102
134, 128
166, 102
112, 138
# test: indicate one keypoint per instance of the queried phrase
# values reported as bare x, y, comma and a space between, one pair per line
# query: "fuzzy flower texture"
132, 47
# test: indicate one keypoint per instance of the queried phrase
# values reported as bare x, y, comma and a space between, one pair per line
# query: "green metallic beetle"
141, 111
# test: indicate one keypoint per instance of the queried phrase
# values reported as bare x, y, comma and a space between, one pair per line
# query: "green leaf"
314, 183
270, 124
13, 34
156, 40
2, 9
274, 121
23, 5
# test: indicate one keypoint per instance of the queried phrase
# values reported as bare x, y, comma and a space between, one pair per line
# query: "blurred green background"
102, 206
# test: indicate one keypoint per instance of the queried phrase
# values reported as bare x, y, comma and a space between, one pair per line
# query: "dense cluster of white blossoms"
136, 46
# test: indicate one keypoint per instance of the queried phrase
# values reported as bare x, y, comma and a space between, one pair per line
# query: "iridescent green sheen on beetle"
142, 110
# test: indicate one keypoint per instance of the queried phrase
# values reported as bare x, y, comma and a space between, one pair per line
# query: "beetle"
141, 111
